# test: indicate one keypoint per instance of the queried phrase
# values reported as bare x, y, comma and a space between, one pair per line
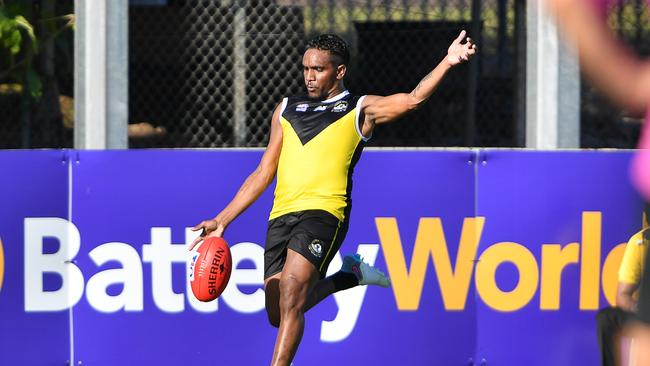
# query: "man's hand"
212, 227
460, 52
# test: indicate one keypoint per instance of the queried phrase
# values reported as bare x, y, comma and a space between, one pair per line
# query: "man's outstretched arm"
377, 109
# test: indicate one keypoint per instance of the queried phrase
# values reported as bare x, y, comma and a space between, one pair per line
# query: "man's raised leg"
354, 272
285, 293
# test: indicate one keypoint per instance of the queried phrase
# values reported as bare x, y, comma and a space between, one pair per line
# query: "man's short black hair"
334, 45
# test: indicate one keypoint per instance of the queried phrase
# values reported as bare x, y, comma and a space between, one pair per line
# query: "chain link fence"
208, 73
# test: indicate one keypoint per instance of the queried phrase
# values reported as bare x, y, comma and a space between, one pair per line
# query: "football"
210, 269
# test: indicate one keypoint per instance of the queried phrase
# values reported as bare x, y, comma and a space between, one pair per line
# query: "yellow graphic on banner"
541, 274
2, 265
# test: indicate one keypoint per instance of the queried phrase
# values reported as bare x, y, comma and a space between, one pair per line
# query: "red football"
210, 269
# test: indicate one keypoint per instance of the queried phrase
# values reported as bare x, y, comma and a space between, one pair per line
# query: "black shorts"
316, 234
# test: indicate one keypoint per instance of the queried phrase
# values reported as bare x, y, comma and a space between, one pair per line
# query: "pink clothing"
640, 168
641, 163
603, 6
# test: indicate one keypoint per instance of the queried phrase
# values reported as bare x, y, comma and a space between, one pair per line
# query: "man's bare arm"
392, 107
377, 109
625, 296
252, 187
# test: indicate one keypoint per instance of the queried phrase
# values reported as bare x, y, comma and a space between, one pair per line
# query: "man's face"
322, 76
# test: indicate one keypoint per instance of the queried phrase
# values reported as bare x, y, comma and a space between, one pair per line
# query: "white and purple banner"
497, 257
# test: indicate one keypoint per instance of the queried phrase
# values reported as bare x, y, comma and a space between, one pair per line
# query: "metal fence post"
552, 85
101, 74
474, 71
239, 95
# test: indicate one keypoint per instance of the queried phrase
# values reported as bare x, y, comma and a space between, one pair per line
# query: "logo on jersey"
302, 107
341, 106
320, 108
316, 248
2, 265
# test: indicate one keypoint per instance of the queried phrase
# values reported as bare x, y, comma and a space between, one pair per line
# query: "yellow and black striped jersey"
321, 144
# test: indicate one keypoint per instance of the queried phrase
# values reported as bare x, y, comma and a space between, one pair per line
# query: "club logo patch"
302, 107
2, 265
341, 106
316, 248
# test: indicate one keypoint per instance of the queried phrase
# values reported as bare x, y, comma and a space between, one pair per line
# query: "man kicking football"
314, 145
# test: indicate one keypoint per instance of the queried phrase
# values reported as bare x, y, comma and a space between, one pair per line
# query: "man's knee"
293, 294
291, 297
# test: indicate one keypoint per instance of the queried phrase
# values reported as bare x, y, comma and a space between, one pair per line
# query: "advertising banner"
496, 257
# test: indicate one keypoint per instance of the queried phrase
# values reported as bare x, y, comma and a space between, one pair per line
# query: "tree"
28, 31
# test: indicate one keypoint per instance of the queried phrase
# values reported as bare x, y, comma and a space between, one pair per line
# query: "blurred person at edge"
316, 139
611, 66
624, 77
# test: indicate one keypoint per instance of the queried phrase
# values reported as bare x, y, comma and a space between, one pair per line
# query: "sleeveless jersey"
321, 143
